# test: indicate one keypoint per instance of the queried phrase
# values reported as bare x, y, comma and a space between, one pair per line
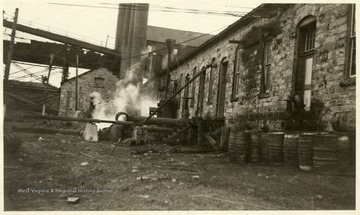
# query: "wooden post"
47, 84
11, 46
76, 83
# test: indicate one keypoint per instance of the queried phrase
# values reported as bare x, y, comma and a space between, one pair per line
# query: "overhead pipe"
132, 120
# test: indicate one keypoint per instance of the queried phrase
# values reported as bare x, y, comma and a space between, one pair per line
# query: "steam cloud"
126, 98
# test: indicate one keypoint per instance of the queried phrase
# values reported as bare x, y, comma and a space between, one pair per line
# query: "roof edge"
230, 29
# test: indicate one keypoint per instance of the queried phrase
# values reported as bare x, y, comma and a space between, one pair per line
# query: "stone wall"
270, 109
86, 83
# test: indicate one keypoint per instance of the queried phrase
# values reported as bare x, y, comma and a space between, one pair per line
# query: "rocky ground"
49, 169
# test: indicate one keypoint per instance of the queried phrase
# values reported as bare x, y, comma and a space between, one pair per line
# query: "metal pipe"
131, 121
77, 119
175, 94
160, 121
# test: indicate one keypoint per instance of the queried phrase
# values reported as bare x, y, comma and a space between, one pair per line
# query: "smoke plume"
126, 98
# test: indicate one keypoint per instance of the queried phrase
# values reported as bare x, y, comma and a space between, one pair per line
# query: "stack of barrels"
305, 150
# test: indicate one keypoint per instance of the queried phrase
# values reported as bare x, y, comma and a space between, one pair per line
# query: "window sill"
348, 82
264, 95
234, 99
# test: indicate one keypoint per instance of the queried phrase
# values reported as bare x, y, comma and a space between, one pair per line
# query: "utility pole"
47, 84
11, 46
76, 83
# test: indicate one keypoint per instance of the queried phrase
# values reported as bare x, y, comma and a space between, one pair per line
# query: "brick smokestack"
131, 35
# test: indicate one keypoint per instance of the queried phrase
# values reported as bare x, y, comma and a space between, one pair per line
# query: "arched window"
266, 65
211, 82
201, 92
236, 75
185, 104
193, 88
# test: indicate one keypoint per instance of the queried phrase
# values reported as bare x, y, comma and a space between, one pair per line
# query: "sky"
95, 21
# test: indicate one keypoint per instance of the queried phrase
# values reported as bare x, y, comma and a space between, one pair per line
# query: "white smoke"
126, 98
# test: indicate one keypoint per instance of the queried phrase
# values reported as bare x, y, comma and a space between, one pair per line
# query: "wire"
162, 9
13, 73
36, 65
32, 74
134, 56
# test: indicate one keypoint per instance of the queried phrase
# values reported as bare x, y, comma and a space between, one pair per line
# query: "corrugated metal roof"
159, 34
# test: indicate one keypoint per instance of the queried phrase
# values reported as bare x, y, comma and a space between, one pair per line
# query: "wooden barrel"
255, 142
305, 151
352, 140
344, 153
326, 151
238, 147
290, 149
344, 121
264, 139
275, 148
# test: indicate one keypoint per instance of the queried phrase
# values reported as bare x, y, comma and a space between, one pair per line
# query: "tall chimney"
131, 35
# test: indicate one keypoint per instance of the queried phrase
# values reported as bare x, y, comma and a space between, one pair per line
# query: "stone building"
183, 42
280, 67
98, 80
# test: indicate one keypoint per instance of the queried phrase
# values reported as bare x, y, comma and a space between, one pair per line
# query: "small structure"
98, 80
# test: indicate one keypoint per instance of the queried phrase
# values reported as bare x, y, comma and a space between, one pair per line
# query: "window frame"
185, 98
265, 83
81, 103
211, 83
96, 85
192, 103
69, 96
352, 42
235, 93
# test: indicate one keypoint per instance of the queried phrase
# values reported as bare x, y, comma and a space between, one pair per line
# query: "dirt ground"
49, 168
